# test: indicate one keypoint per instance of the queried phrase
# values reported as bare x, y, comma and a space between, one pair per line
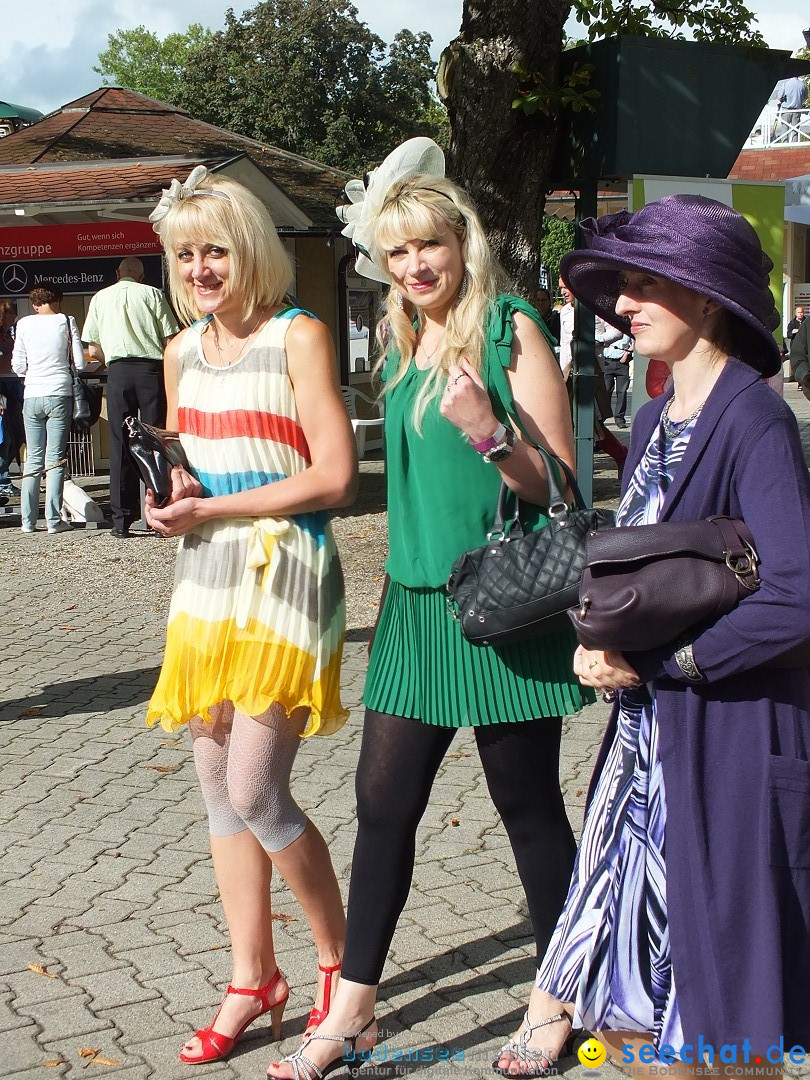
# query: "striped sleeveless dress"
257, 615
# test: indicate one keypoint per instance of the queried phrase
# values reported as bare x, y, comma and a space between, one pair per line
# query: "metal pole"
584, 363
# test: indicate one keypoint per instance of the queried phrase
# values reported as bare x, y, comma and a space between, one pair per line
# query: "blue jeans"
47, 426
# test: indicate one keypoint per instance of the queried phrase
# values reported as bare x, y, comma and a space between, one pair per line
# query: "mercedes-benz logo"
15, 278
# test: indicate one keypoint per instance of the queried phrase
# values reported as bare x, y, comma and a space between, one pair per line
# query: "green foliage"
305, 75
725, 22
534, 93
308, 76
140, 60
556, 238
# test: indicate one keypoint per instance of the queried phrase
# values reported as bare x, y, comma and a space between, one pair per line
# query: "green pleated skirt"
422, 667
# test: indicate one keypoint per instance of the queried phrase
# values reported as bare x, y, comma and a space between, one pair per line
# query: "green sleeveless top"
441, 492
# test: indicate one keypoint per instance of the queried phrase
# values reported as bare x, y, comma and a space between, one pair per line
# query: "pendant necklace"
674, 428
429, 355
229, 363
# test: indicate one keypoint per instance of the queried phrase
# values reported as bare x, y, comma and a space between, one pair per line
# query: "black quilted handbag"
520, 585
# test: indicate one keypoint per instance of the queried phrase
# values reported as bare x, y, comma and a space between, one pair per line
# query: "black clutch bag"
154, 452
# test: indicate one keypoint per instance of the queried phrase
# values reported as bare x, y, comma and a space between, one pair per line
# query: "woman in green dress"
467, 368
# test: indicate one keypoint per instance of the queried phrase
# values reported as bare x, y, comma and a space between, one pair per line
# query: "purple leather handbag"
646, 585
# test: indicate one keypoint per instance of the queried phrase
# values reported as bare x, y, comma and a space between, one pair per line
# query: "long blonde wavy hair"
415, 209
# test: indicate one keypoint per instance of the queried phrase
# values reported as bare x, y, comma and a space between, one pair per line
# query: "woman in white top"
42, 348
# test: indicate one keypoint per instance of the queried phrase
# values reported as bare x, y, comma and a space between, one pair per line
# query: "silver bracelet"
685, 659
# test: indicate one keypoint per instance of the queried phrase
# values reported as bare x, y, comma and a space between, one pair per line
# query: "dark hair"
731, 335
45, 293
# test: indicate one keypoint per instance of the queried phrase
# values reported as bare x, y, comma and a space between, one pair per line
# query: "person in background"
604, 440
566, 335
551, 317
800, 357
658, 378
44, 345
791, 99
793, 328
127, 327
11, 401
617, 356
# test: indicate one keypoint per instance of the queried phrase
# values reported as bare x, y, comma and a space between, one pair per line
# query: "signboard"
93, 239
801, 295
73, 276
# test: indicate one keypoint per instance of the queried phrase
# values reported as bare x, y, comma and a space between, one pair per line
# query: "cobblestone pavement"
112, 943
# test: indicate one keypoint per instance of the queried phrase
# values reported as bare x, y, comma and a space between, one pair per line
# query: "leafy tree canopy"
306, 75
725, 22
500, 81
140, 60
556, 238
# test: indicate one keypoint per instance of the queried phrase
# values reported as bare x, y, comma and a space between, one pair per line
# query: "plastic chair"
360, 425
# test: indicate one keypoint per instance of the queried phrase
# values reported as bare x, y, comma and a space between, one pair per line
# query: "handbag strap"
71, 365
557, 506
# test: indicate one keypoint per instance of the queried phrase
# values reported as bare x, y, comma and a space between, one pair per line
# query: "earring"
397, 299
465, 284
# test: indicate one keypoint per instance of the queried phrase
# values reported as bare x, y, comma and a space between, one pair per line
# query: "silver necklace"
674, 428
429, 355
238, 357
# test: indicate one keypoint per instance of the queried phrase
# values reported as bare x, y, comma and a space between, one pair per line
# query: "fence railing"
780, 127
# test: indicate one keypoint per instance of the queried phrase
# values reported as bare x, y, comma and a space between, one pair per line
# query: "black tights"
399, 759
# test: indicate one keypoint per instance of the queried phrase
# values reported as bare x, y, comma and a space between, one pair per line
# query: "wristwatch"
502, 449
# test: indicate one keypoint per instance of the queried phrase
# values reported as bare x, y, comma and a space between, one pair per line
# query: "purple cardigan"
735, 749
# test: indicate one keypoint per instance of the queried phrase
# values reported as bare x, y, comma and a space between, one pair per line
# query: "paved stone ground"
112, 943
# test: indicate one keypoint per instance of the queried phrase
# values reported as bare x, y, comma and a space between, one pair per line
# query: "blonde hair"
260, 269
415, 209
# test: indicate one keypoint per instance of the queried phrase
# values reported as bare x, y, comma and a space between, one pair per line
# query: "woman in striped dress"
467, 366
255, 633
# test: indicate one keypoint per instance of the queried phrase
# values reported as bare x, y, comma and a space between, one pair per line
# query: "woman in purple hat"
687, 916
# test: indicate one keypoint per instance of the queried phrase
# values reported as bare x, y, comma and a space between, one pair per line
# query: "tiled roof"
80, 182
113, 124
779, 164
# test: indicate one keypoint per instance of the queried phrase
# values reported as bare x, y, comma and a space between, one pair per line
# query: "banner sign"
92, 239
73, 276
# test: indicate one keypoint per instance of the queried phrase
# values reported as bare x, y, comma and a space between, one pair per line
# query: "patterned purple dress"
610, 952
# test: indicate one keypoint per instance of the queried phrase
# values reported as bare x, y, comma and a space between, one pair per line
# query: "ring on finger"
592, 665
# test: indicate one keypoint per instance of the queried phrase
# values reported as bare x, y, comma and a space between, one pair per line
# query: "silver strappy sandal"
533, 1061
304, 1068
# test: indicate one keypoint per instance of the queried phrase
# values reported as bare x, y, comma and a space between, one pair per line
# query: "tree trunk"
501, 156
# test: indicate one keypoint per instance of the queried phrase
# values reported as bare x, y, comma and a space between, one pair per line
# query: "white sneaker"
60, 527
27, 528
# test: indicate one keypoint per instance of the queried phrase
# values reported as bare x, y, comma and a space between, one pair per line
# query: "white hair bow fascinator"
366, 197
176, 192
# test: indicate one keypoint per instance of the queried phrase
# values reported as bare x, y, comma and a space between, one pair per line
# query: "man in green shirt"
127, 327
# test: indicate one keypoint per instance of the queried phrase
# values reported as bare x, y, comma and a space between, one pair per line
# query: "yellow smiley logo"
591, 1054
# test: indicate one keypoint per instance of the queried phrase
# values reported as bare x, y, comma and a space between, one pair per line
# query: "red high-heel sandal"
317, 1016
214, 1045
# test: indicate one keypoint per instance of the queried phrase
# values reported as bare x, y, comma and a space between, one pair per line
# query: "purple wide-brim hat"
697, 242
